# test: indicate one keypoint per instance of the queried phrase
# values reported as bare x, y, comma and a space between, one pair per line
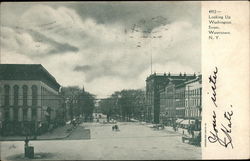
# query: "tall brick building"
155, 83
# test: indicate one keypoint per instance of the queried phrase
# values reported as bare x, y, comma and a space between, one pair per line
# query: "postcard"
124, 80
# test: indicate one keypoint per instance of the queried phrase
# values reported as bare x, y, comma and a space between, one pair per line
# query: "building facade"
181, 102
29, 99
174, 101
155, 84
194, 100
180, 95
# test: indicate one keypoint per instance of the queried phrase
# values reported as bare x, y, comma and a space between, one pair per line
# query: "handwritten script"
221, 132
212, 79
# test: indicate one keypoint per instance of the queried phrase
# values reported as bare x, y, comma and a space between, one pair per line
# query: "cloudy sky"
102, 45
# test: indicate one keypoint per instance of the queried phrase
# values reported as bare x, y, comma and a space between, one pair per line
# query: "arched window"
25, 95
6, 95
34, 95
16, 88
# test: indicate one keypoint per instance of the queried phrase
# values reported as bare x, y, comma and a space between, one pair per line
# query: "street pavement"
134, 141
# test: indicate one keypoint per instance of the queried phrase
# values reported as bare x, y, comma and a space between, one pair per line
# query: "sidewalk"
180, 131
58, 133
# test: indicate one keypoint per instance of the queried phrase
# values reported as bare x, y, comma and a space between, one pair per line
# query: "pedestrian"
26, 141
192, 133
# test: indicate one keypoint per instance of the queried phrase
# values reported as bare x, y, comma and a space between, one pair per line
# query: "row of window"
181, 93
181, 103
195, 92
180, 112
194, 102
24, 95
187, 113
193, 113
17, 117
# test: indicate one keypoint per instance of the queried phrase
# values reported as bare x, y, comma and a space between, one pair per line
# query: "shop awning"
186, 122
179, 120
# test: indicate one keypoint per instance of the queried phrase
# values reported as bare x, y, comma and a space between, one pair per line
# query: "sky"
103, 46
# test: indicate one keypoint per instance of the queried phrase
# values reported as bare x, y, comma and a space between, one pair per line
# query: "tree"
125, 103
81, 101
86, 104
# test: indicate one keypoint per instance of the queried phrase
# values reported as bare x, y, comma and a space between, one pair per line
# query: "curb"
40, 139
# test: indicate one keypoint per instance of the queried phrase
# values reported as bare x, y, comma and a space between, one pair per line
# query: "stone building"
29, 99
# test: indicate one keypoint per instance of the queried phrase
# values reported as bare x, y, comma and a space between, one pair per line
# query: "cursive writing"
212, 79
224, 130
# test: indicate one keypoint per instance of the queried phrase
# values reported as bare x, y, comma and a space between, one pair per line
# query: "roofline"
43, 69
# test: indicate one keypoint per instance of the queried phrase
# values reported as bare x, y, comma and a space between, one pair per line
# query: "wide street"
133, 141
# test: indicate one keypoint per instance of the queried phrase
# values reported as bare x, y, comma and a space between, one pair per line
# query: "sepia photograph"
100, 81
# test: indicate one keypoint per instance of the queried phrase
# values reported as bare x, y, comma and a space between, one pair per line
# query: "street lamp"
28, 150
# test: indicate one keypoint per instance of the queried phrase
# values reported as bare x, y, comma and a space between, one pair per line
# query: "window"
15, 114
34, 114
6, 95
25, 95
34, 95
25, 115
16, 88
7, 114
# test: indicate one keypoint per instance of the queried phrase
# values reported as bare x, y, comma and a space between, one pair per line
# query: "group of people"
115, 128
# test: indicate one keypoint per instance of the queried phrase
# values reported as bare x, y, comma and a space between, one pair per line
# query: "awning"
179, 120
186, 122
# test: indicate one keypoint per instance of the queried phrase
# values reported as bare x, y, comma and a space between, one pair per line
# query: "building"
193, 101
29, 99
173, 101
155, 85
180, 97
